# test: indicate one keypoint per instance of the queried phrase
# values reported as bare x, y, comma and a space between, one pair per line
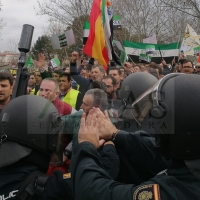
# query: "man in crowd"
49, 89
197, 68
67, 94
187, 67
31, 84
93, 98
116, 72
111, 86
6, 88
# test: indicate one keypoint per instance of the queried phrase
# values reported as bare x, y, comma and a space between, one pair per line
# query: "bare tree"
2, 24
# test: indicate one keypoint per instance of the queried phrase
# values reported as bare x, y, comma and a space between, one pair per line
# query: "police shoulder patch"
147, 192
67, 175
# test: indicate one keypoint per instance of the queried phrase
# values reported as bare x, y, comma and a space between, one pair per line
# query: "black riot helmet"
174, 108
136, 84
28, 123
132, 87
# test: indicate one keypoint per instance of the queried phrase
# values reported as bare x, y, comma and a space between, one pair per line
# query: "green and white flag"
117, 22
86, 31
55, 62
196, 51
168, 51
59, 41
144, 57
29, 62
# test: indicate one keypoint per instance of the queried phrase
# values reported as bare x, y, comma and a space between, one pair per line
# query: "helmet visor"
143, 104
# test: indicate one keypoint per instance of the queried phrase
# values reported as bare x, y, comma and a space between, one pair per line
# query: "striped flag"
86, 31
136, 51
95, 46
107, 15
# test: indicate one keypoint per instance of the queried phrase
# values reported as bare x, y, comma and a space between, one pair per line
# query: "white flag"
190, 41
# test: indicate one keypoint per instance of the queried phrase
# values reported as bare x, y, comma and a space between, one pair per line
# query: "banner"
190, 41
55, 62
117, 22
168, 51
150, 40
59, 41
29, 62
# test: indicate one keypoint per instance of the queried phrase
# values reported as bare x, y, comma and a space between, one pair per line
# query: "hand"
89, 129
41, 61
163, 62
173, 61
106, 128
74, 56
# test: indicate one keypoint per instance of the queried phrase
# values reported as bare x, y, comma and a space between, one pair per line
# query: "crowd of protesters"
85, 92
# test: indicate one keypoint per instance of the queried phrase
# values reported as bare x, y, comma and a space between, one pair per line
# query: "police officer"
173, 104
30, 134
132, 87
134, 164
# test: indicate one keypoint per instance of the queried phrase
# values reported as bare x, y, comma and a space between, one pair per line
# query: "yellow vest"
71, 98
33, 92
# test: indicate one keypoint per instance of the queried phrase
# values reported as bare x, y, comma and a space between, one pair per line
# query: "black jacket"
92, 182
12, 177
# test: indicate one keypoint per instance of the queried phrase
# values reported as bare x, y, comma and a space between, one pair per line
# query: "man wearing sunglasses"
197, 68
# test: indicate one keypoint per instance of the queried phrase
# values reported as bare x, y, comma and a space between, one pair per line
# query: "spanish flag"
95, 46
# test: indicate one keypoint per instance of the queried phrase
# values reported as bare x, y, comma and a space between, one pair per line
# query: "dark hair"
65, 74
186, 61
98, 84
6, 76
114, 82
115, 68
58, 72
153, 72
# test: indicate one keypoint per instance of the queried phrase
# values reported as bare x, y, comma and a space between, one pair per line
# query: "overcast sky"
15, 13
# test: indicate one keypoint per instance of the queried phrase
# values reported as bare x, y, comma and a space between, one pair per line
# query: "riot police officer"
173, 104
30, 134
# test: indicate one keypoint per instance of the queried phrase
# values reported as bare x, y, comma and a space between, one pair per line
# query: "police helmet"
173, 104
28, 123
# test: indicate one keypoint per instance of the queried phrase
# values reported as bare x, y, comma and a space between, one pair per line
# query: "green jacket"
71, 125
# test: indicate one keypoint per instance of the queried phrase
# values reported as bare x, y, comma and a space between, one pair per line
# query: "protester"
6, 88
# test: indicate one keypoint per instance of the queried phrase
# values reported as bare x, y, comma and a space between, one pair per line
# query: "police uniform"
58, 186
175, 185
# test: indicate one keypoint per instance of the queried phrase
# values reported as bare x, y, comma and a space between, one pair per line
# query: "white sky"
15, 13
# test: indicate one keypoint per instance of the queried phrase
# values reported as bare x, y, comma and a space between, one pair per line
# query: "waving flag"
86, 31
96, 45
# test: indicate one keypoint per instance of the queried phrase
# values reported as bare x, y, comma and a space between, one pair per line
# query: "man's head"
38, 78
116, 72
31, 81
56, 74
94, 98
197, 67
187, 67
111, 85
97, 72
64, 82
6, 88
136, 68
49, 89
